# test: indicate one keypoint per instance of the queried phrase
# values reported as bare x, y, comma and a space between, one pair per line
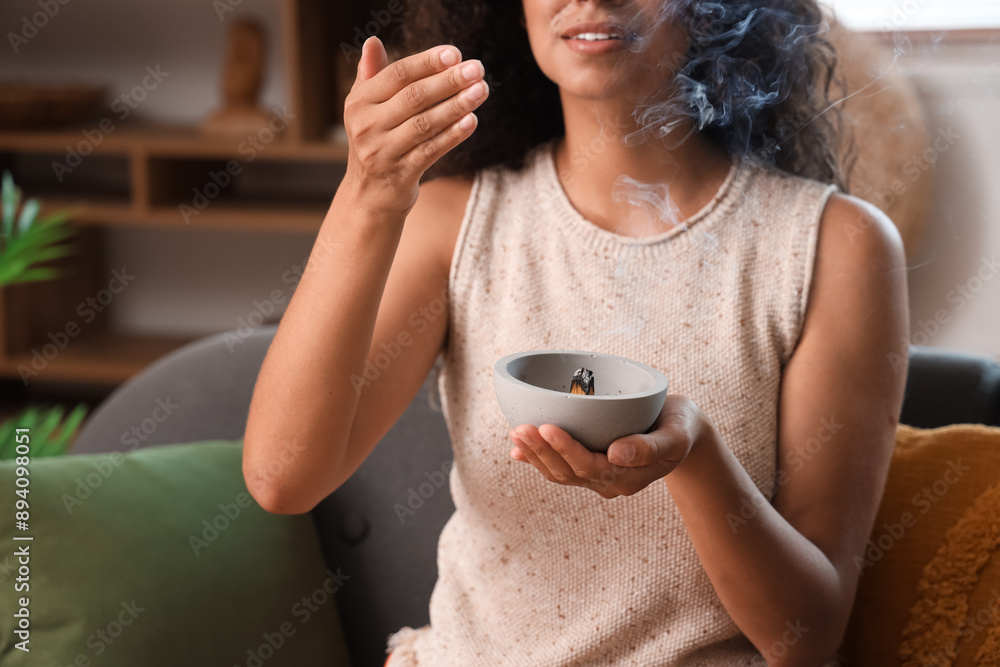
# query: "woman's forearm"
304, 403
782, 591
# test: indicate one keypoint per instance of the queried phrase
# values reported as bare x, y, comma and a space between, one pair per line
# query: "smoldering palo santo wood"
583, 382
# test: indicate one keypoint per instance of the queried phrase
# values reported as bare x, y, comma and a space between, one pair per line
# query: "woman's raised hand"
401, 118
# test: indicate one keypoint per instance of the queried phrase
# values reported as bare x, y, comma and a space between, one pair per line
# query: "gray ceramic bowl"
533, 388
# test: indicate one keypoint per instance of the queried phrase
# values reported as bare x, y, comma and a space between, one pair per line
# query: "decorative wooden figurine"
244, 73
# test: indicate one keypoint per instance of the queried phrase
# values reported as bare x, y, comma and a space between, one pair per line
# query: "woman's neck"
635, 190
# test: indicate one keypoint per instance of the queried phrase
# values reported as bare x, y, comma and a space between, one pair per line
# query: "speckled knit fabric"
538, 574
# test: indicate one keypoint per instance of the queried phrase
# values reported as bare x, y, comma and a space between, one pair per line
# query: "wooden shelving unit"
141, 176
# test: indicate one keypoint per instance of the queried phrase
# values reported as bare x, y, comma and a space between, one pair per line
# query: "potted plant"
25, 243
51, 435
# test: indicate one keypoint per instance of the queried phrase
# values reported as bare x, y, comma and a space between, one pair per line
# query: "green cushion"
161, 557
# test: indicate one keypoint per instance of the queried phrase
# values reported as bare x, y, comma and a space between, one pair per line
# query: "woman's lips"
594, 47
595, 38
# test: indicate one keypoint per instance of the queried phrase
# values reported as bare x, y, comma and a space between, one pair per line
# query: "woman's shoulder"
860, 269
856, 234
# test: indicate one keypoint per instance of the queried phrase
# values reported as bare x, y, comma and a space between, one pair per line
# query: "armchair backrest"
381, 527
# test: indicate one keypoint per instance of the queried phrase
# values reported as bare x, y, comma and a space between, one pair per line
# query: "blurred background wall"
200, 278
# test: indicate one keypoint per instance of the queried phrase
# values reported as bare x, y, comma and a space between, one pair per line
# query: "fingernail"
625, 452
471, 70
449, 57
477, 91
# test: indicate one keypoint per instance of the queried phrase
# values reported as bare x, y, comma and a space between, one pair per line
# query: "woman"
654, 180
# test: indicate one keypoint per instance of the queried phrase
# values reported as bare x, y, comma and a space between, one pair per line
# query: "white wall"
954, 276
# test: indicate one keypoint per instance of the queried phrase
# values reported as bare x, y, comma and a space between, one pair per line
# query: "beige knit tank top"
538, 574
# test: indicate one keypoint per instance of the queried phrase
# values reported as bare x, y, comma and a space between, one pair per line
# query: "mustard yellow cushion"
929, 592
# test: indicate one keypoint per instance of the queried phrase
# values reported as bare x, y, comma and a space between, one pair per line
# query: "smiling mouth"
598, 31
596, 36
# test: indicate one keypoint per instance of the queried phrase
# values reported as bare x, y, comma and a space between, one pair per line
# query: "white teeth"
595, 36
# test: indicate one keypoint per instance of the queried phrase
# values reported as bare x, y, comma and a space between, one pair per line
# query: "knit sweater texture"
537, 574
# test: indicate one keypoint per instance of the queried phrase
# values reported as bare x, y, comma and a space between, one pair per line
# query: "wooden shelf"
305, 219
141, 176
239, 218
98, 357
162, 170
176, 141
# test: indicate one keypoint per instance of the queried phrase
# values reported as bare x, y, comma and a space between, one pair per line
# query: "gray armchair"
381, 527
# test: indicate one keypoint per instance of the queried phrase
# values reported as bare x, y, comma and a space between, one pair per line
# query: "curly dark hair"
755, 80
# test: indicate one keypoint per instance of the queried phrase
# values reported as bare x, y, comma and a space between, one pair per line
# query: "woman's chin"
596, 90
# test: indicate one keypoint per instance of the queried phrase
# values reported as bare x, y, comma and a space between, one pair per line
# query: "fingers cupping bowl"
535, 387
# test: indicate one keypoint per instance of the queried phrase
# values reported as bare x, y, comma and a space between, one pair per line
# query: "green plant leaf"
68, 429
34, 246
53, 252
28, 214
7, 444
10, 269
48, 422
9, 196
31, 241
25, 419
38, 236
50, 433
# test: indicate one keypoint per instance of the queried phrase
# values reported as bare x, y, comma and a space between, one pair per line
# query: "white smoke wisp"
717, 80
651, 204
